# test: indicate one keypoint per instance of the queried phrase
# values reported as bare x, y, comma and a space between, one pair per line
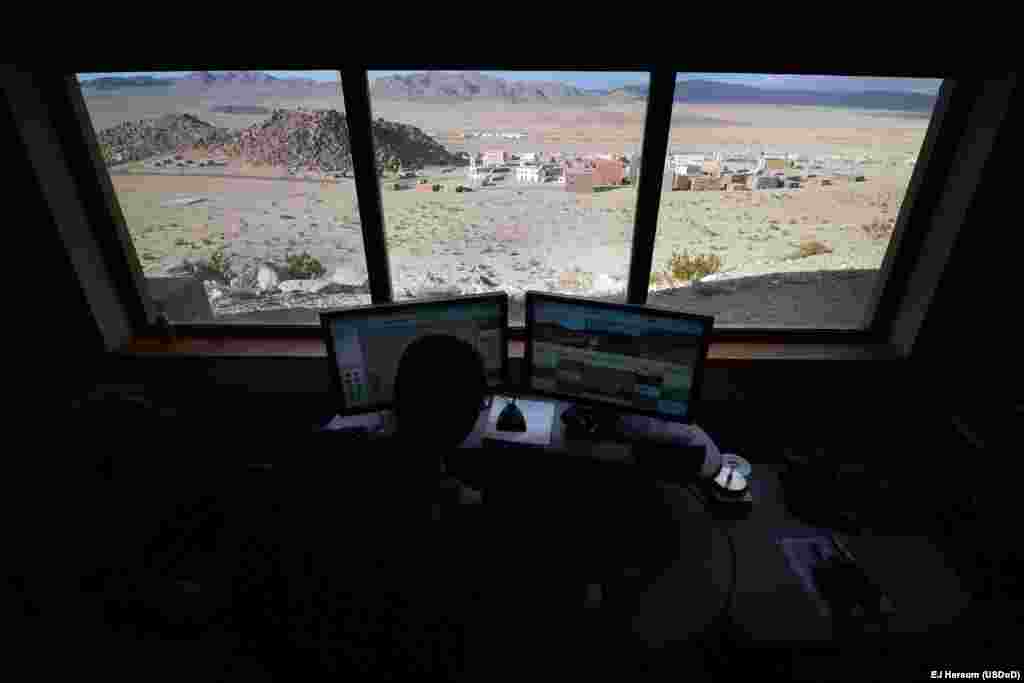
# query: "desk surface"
770, 602
772, 605
635, 428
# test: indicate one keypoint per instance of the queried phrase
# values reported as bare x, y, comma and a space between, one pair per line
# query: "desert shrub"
218, 263
811, 248
685, 267
304, 266
879, 228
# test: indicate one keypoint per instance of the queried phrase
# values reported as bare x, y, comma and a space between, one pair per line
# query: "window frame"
928, 182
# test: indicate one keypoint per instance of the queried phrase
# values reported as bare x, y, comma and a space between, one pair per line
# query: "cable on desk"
730, 596
718, 658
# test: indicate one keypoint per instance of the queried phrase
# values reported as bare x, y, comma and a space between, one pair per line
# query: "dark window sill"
720, 354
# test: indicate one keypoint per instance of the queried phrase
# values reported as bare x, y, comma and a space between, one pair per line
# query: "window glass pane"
780, 195
236, 188
508, 180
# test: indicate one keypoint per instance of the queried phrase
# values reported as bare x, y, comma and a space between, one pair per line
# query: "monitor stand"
593, 421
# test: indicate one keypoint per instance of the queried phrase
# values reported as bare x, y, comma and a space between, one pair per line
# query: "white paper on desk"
803, 555
540, 416
372, 422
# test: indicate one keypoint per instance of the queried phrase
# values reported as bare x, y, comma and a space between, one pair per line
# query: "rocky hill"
318, 141
409, 145
294, 138
137, 140
468, 84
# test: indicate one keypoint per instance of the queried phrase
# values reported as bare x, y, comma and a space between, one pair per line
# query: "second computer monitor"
639, 359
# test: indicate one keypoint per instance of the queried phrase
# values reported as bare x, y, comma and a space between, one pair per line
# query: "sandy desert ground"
518, 237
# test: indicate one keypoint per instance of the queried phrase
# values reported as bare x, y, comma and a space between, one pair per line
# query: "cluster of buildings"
576, 173
493, 134
683, 171
764, 171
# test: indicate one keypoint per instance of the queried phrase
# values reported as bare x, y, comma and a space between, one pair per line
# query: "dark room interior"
185, 514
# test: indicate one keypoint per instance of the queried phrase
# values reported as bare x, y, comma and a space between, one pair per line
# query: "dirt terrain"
518, 237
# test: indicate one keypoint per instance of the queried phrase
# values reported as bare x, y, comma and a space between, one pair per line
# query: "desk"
636, 429
770, 603
772, 606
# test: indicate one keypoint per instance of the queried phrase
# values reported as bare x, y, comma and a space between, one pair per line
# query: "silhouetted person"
439, 392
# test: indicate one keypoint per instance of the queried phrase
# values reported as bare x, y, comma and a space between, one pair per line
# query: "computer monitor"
637, 359
365, 343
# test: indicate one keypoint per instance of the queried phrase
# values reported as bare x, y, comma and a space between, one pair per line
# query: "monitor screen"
637, 358
366, 343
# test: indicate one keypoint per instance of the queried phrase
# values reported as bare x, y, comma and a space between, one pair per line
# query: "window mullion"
652, 164
355, 90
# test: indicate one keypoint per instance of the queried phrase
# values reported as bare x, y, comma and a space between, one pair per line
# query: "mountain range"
815, 91
715, 92
208, 79
466, 84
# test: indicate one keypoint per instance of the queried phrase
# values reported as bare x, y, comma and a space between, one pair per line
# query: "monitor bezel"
532, 297
327, 318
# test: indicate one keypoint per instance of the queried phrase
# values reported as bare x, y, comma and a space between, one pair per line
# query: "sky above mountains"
615, 79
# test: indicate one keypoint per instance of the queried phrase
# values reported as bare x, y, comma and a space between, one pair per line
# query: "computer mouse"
511, 419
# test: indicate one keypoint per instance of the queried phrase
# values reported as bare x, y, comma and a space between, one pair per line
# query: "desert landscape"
252, 194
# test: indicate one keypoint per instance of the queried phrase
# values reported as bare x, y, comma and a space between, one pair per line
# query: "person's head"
439, 390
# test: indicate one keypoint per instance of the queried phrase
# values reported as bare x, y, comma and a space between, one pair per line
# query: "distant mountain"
118, 82
638, 91
245, 77
848, 84
468, 84
240, 109
194, 79
700, 91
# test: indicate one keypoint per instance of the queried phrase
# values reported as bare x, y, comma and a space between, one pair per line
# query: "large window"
508, 180
781, 193
236, 189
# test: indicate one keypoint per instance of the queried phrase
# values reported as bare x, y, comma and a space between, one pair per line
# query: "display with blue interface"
631, 358
368, 347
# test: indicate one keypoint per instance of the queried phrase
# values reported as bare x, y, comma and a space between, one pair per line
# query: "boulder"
246, 277
316, 286
351, 278
241, 293
289, 286
266, 278
606, 284
329, 287
176, 265
436, 279
201, 270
